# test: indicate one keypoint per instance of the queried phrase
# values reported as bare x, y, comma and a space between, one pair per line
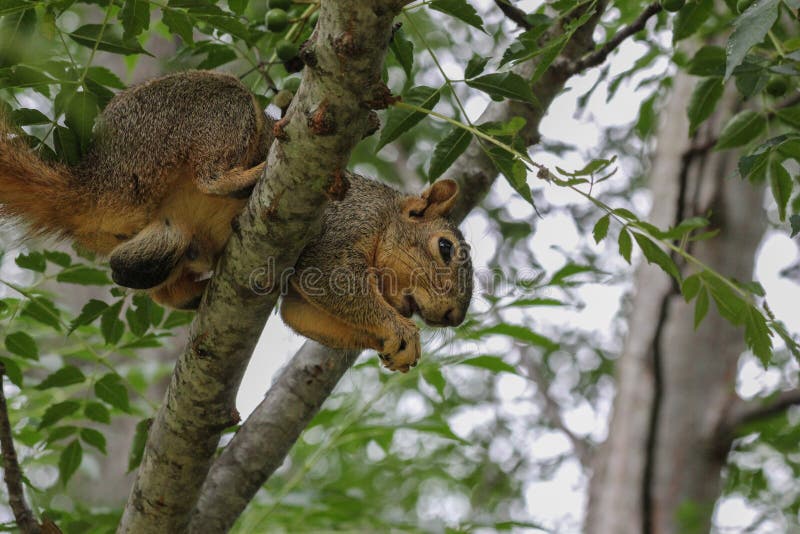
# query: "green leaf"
104, 77
238, 6
33, 261
708, 61
690, 18
757, 335
106, 38
491, 363
434, 377
625, 244
781, 184
62, 259
502, 85
178, 23
403, 51
83, 275
91, 311
795, 222
654, 254
177, 318
22, 344
401, 120
690, 287
97, 412
447, 150
66, 376
110, 325
138, 321
459, 9
67, 145
568, 271
741, 129
135, 17
28, 117
94, 438
13, 371
139, 441
601, 228
81, 111
754, 166
475, 66
111, 390
750, 28
520, 333
703, 101
69, 461
790, 116
44, 311
57, 412
700, 307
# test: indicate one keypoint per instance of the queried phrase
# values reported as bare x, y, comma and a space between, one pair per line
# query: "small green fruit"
277, 20
283, 99
777, 86
280, 4
672, 5
742, 5
286, 50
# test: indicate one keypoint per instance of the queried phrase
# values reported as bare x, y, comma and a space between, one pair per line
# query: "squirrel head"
423, 260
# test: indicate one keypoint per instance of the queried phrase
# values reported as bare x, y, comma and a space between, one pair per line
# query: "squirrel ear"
436, 201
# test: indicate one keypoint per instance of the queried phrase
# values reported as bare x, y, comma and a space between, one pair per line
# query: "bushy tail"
40, 194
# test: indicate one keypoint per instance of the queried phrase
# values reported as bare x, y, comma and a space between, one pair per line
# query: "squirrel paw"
402, 349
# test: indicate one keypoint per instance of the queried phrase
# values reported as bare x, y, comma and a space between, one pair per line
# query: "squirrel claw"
401, 352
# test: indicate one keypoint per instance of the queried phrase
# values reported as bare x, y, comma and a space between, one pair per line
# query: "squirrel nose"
453, 317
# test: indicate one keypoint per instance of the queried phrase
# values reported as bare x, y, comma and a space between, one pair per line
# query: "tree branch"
514, 13
251, 457
744, 412
13, 474
599, 56
328, 116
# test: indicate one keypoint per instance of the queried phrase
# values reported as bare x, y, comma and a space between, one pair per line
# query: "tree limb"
744, 412
13, 474
328, 116
251, 457
599, 56
514, 13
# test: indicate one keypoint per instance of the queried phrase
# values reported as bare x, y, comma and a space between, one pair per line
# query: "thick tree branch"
599, 56
13, 474
328, 116
252, 455
751, 411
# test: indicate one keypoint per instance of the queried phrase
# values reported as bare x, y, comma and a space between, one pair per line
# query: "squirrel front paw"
401, 349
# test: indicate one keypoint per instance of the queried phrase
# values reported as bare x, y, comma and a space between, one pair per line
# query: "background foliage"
464, 440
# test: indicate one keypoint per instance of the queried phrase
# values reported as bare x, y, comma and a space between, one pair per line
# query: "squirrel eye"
446, 249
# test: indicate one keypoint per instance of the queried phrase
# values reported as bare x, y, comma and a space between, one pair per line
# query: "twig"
552, 410
13, 474
599, 56
514, 13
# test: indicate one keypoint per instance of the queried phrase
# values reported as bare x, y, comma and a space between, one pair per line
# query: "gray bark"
663, 456
328, 116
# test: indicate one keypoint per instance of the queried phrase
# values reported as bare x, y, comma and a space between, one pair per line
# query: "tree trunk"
659, 470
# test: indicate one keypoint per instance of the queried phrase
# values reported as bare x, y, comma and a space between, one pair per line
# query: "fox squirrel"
172, 164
